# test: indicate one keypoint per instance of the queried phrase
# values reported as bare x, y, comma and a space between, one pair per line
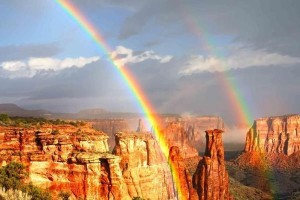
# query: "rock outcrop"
66, 158
175, 135
211, 177
187, 132
110, 127
145, 169
274, 135
181, 175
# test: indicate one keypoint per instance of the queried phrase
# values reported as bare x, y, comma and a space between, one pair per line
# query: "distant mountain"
14, 110
96, 113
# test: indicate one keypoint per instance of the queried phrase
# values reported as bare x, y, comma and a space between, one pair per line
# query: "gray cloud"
270, 24
20, 52
269, 90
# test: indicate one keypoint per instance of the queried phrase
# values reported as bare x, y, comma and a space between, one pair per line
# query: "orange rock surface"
211, 177
274, 135
66, 158
187, 191
145, 170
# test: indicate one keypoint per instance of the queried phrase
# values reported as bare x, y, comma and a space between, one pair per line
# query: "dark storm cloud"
269, 24
20, 52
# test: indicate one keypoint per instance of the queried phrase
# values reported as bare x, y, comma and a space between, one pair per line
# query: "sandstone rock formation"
211, 177
110, 127
66, 158
179, 171
176, 135
145, 169
274, 135
189, 130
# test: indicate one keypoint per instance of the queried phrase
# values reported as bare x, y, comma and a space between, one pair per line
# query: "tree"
4, 118
11, 175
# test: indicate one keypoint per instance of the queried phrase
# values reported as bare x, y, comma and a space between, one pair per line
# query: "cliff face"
178, 166
187, 132
176, 135
274, 135
211, 177
65, 158
110, 127
145, 169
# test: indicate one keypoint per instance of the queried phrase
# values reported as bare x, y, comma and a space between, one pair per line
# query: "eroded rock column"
211, 178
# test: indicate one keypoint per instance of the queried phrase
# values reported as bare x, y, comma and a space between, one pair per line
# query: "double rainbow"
238, 103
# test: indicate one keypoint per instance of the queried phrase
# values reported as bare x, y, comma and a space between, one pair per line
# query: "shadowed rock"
211, 178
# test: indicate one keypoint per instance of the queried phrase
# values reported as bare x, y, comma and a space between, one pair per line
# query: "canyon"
76, 158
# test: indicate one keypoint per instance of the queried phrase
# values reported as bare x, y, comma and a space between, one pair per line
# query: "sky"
177, 51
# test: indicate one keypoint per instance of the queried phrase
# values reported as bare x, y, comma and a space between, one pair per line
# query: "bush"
55, 132
11, 179
11, 175
137, 198
4, 118
36, 193
64, 195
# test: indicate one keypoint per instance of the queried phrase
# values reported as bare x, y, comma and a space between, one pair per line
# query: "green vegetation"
34, 121
55, 132
137, 198
12, 179
64, 195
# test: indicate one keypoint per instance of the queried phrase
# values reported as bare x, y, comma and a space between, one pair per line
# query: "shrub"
137, 198
11, 179
64, 195
36, 193
55, 132
4, 118
11, 175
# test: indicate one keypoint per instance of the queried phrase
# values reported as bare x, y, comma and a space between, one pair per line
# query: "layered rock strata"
274, 135
66, 158
211, 178
187, 132
145, 170
180, 173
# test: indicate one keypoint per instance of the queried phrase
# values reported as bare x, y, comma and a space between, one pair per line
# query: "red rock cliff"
211, 178
187, 132
274, 135
145, 169
66, 158
179, 170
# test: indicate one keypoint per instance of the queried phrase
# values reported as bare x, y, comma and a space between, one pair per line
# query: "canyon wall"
145, 170
187, 132
110, 127
274, 135
211, 178
66, 158
184, 132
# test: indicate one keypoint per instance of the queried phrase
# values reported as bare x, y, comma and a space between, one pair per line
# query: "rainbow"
238, 102
128, 78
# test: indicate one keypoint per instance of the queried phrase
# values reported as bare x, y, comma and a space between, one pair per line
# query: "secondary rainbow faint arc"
128, 79
237, 100
233, 92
